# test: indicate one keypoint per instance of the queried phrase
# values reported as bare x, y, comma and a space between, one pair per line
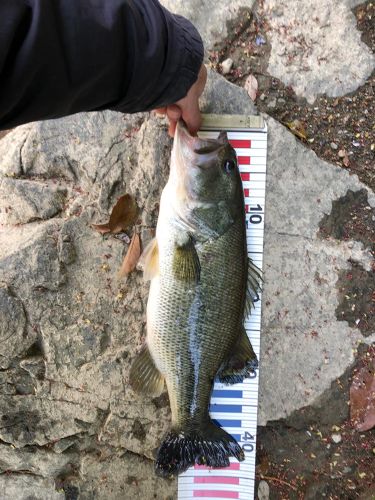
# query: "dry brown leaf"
298, 129
251, 87
346, 160
132, 256
101, 228
362, 394
124, 214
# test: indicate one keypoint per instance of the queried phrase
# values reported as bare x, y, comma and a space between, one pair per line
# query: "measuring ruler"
235, 407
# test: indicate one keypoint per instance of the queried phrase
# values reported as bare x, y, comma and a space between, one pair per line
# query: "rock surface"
23, 201
209, 16
316, 47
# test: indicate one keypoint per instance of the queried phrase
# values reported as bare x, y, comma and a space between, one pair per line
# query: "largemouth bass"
201, 284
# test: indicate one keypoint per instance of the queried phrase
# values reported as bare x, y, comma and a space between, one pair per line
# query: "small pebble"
272, 104
226, 66
281, 101
334, 145
263, 491
262, 97
259, 40
342, 153
336, 438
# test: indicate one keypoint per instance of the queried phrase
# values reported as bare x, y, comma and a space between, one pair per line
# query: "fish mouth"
192, 146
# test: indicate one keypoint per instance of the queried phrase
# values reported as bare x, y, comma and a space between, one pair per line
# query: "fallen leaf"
123, 215
298, 129
101, 228
346, 160
251, 87
362, 394
132, 256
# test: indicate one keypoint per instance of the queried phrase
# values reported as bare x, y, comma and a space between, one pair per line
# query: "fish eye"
229, 166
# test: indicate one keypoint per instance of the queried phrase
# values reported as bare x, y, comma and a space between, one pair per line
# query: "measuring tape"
235, 407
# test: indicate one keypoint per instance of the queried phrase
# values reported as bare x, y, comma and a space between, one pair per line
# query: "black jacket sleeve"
59, 57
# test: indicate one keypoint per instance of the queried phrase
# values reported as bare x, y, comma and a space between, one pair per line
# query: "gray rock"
226, 66
263, 491
336, 438
209, 16
12, 327
271, 103
316, 47
44, 463
301, 270
221, 96
23, 201
28, 487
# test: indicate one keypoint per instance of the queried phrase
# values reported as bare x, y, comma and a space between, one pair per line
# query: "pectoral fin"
186, 265
241, 363
254, 281
149, 261
144, 376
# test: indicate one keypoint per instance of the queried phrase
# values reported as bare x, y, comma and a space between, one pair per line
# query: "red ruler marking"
232, 466
240, 143
215, 494
245, 176
243, 160
217, 479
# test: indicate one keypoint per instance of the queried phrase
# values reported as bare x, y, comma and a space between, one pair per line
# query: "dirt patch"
339, 130
138, 430
316, 453
351, 218
357, 298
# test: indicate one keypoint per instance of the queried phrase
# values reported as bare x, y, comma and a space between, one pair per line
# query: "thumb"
191, 115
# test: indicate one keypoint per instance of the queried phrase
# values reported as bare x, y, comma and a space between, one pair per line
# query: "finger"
160, 111
192, 116
174, 112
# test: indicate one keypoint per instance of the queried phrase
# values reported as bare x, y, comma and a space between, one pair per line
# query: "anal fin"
241, 363
144, 376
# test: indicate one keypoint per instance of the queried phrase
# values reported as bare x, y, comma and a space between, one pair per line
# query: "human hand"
187, 108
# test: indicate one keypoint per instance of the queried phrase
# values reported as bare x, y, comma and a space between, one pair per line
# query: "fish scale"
235, 407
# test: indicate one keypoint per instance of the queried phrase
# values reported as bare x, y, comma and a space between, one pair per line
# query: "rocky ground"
70, 425
317, 453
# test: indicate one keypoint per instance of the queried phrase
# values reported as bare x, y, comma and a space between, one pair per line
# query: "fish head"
207, 188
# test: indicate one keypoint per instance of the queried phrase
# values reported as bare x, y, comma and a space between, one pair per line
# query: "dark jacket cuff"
190, 58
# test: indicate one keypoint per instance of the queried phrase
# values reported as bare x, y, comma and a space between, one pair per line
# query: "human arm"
59, 57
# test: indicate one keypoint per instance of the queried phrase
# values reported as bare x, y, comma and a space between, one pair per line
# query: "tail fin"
205, 445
